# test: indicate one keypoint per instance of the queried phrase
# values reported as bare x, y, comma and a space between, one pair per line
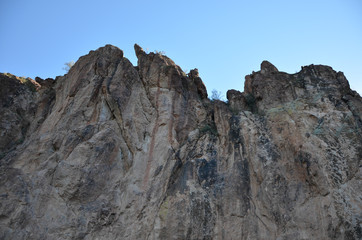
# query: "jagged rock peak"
194, 73
267, 67
107, 50
174, 77
138, 50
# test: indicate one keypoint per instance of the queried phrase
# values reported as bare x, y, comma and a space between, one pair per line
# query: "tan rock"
113, 151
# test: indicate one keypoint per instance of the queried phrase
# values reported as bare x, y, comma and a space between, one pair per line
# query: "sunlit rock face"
114, 151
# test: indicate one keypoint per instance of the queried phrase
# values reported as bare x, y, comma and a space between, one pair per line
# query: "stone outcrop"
114, 151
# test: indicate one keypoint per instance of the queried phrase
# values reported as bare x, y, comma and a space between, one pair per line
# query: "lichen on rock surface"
116, 151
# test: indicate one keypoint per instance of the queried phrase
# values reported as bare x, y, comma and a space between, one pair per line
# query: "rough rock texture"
113, 151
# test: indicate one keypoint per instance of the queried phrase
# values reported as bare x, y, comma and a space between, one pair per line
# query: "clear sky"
225, 40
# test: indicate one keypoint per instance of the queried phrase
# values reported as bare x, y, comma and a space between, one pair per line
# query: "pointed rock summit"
267, 67
138, 50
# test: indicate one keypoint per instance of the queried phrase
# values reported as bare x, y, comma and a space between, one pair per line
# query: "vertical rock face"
113, 151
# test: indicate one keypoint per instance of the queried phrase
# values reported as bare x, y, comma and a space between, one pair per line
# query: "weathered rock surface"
113, 151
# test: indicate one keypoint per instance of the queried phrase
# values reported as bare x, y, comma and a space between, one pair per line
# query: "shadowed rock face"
113, 151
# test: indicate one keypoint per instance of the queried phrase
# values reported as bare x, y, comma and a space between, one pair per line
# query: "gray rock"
113, 151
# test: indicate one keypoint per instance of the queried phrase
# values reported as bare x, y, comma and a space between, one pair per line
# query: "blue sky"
225, 40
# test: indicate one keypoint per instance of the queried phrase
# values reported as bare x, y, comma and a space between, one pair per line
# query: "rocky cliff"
114, 151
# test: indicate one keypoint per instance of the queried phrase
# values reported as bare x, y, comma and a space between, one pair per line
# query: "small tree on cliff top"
216, 95
68, 66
